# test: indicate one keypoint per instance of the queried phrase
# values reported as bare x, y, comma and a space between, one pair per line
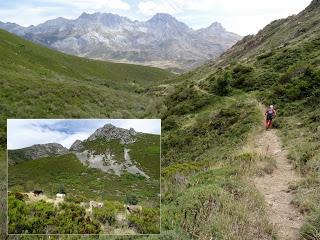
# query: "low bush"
146, 221
131, 199
107, 214
310, 229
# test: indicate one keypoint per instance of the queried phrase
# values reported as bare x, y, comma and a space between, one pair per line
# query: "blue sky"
243, 17
26, 132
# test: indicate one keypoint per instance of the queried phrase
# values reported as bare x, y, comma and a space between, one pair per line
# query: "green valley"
212, 143
39, 82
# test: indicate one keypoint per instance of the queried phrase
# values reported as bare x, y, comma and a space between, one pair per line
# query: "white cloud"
243, 17
23, 133
28, 12
140, 125
26, 132
151, 7
95, 4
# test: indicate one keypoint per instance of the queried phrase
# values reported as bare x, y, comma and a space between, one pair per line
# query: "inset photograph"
90, 176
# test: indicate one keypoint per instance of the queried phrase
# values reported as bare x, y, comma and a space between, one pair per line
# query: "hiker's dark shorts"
269, 117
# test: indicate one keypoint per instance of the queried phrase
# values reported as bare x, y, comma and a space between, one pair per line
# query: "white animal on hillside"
94, 204
60, 195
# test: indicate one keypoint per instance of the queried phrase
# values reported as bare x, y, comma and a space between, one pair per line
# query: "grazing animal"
84, 205
60, 195
94, 204
37, 192
134, 208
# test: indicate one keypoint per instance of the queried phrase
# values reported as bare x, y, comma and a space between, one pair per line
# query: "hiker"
270, 114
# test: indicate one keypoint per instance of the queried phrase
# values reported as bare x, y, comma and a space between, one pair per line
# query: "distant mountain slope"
161, 41
37, 81
35, 152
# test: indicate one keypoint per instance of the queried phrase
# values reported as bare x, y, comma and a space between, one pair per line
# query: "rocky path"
275, 187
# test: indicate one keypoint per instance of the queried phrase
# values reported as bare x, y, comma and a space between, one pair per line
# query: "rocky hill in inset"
36, 151
107, 149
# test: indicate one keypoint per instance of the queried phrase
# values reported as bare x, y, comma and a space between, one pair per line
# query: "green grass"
50, 173
38, 82
201, 164
146, 152
205, 187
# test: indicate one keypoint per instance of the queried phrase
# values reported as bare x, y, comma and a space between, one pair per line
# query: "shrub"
241, 75
131, 199
17, 216
107, 214
311, 228
185, 100
61, 189
169, 123
146, 222
222, 86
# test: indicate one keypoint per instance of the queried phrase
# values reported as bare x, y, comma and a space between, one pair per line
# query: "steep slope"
212, 117
37, 82
161, 41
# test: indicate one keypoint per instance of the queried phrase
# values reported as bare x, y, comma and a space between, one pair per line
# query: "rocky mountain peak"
216, 27
85, 15
166, 20
45, 150
110, 132
162, 17
106, 19
76, 146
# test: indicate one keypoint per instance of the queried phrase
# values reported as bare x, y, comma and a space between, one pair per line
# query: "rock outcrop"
44, 150
76, 146
110, 132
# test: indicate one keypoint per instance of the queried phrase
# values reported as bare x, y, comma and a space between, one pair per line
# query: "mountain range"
161, 41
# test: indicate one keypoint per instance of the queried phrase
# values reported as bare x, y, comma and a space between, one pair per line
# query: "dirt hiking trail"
275, 186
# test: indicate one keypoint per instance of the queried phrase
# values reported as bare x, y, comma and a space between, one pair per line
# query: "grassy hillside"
51, 173
205, 172
38, 82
